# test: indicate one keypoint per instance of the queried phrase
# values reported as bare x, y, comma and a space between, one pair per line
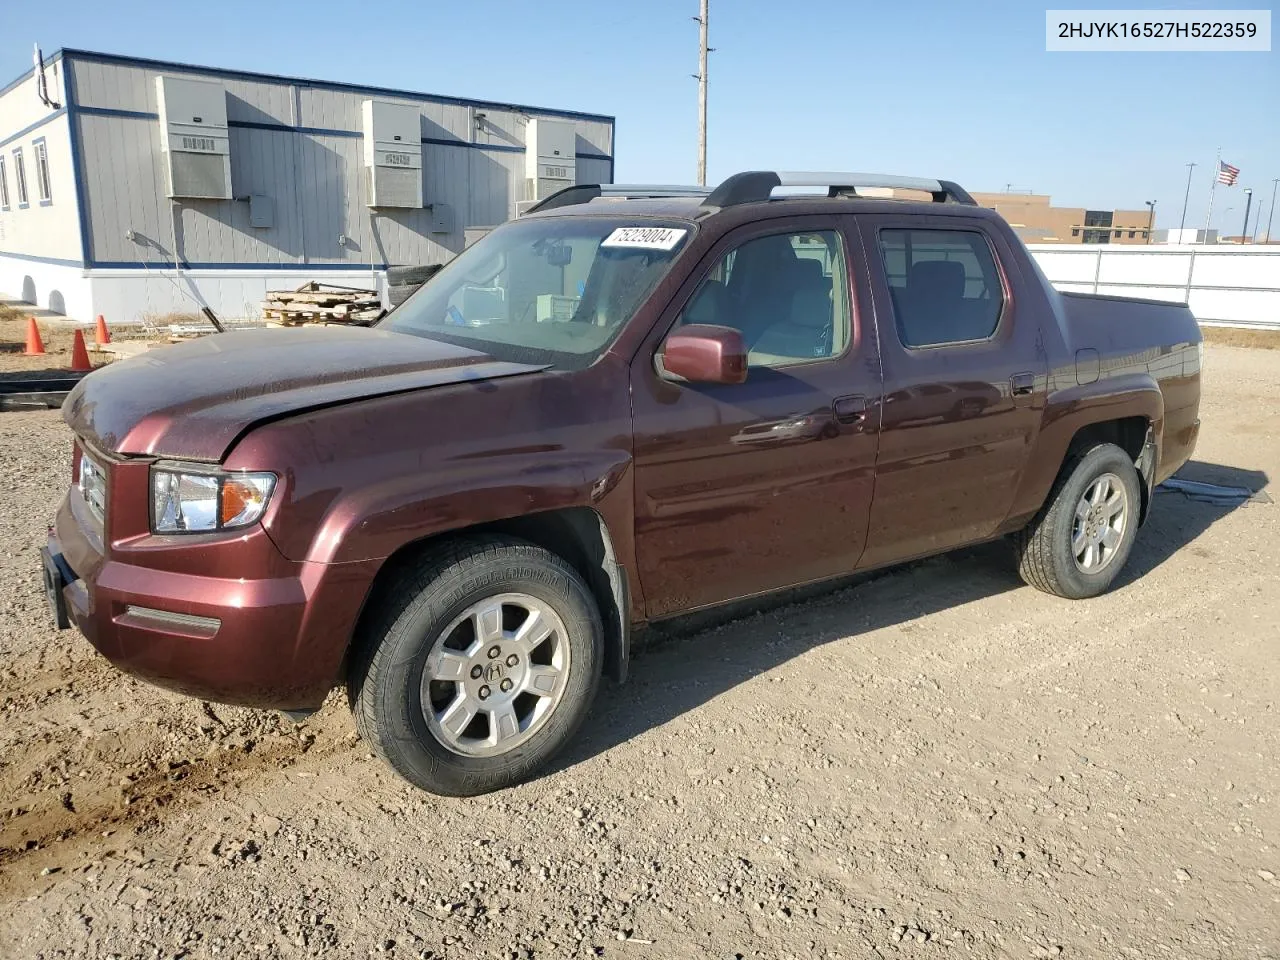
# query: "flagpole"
1213, 185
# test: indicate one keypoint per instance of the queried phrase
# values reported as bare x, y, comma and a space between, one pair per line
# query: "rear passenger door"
965, 376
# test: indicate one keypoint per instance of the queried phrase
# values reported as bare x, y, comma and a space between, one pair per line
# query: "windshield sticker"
645, 238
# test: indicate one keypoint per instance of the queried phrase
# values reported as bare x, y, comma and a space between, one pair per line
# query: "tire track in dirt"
61, 830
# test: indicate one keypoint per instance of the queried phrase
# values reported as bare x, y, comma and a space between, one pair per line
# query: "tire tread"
1034, 543
411, 587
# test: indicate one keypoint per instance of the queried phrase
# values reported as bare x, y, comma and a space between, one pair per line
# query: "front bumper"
276, 640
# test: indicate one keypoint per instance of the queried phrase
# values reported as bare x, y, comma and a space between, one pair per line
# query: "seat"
930, 306
708, 305
761, 285
807, 328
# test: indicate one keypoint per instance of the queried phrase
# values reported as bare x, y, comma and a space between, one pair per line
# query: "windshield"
551, 290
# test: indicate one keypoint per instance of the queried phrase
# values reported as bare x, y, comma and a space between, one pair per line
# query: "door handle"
1022, 384
850, 409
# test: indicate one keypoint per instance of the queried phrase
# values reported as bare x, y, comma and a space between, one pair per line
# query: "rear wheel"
1080, 541
477, 667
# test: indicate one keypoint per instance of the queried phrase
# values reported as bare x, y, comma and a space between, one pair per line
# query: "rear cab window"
944, 285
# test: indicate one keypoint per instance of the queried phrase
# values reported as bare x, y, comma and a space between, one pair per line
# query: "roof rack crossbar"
586, 192
757, 185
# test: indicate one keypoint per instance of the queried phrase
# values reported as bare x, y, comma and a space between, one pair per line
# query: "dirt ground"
938, 761
57, 336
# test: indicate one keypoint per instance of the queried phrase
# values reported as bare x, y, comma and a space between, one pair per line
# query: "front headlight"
187, 498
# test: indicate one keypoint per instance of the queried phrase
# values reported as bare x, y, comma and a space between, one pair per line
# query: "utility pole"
703, 50
1182, 225
1248, 202
1151, 217
1271, 215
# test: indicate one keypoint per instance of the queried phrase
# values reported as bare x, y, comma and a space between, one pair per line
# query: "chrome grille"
93, 486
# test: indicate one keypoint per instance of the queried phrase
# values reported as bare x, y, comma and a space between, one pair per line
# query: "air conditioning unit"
550, 149
195, 138
393, 154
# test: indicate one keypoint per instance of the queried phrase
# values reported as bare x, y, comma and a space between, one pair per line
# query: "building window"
42, 171
1132, 234
4, 186
1144, 234
1075, 231
20, 176
1118, 232
1097, 218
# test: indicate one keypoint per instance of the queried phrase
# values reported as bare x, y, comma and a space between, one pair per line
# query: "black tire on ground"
411, 274
400, 292
395, 638
1044, 548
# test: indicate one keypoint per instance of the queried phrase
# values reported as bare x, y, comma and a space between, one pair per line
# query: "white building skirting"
129, 295
59, 288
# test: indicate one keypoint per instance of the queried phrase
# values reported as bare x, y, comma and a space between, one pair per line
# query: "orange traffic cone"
35, 346
102, 334
79, 355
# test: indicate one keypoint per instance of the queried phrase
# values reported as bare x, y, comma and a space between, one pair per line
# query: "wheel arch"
579, 535
1127, 411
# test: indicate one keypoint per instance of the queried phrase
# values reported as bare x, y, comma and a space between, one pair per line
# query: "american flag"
1227, 173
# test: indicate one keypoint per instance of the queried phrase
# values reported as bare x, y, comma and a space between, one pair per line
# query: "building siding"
40, 250
314, 175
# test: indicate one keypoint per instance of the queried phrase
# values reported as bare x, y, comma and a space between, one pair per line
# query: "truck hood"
193, 400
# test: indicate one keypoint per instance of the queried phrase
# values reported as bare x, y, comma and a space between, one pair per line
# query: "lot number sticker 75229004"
646, 238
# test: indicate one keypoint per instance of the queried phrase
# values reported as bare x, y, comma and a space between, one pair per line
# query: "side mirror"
702, 353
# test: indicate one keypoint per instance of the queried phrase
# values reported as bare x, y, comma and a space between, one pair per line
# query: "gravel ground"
937, 761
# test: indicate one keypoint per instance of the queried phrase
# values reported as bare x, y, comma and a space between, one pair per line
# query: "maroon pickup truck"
606, 412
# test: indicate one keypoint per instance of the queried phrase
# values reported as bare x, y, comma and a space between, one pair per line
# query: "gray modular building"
132, 187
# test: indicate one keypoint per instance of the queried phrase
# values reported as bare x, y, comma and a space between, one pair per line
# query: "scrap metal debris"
1213, 492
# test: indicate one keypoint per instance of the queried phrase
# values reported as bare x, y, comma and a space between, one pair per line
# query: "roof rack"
586, 192
757, 185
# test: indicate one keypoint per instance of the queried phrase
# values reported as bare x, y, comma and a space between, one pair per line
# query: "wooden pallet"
316, 302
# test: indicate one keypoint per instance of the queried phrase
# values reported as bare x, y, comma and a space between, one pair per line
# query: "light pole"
1151, 217
1185, 197
1248, 202
1270, 238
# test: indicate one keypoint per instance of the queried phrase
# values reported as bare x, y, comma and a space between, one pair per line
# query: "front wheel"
477, 667
1079, 542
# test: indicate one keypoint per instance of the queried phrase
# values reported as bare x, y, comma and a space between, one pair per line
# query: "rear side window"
944, 284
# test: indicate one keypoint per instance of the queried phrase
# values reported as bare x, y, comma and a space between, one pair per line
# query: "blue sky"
960, 90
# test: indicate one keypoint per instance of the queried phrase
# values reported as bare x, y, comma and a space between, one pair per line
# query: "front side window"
42, 171
20, 177
554, 290
4, 186
944, 284
787, 294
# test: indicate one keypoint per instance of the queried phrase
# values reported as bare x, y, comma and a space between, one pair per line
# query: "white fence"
1239, 286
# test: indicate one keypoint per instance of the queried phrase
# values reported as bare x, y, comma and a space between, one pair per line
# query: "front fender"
1070, 410
373, 521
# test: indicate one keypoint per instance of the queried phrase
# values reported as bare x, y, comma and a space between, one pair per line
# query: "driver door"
746, 488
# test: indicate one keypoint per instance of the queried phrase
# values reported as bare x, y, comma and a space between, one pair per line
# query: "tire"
415, 274
1047, 548
400, 292
439, 616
